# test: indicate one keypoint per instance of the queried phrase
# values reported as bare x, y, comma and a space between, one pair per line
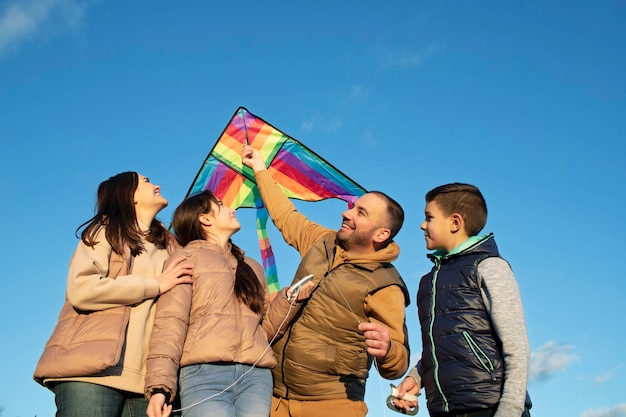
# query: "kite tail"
267, 255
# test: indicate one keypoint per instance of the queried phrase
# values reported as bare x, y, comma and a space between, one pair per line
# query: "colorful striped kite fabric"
300, 172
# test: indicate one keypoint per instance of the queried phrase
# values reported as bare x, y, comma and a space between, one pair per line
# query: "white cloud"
308, 125
550, 359
617, 411
599, 379
405, 57
602, 378
332, 124
355, 93
322, 123
369, 140
24, 20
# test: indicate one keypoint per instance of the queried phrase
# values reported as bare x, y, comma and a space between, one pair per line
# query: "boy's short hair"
464, 199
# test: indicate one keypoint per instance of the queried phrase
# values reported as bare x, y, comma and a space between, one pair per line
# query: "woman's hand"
305, 291
157, 406
176, 271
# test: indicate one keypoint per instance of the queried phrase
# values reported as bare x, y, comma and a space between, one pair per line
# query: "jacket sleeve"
277, 310
386, 307
502, 297
278, 315
415, 373
88, 287
169, 331
298, 231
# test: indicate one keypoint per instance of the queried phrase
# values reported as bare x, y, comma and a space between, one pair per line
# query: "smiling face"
223, 221
148, 196
363, 223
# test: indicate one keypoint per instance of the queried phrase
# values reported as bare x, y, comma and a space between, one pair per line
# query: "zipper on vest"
282, 361
482, 357
431, 338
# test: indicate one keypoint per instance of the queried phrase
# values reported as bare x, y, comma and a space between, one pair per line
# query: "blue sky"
524, 99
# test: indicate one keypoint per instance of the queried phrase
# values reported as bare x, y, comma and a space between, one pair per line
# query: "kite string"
245, 128
380, 382
252, 367
268, 263
356, 316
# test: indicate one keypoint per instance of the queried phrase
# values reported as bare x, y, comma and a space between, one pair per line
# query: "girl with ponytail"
210, 340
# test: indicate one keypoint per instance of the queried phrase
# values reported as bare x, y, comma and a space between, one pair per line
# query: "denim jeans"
205, 390
83, 399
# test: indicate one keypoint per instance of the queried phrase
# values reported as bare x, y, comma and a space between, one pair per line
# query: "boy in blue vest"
475, 351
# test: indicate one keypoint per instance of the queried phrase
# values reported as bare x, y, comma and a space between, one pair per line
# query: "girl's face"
224, 219
148, 196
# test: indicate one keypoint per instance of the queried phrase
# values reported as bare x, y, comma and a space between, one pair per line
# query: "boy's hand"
252, 158
408, 385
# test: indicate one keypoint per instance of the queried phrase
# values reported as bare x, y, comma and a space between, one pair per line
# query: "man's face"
361, 222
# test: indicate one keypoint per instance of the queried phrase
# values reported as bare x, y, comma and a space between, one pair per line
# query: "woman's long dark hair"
115, 209
187, 228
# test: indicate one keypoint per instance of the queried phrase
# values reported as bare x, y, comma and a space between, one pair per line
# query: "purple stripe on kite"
267, 252
217, 177
240, 122
249, 118
268, 262
311, 178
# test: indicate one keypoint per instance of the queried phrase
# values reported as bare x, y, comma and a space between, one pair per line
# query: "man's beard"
354, 240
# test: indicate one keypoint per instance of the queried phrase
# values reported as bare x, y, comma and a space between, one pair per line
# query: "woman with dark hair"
95, 359
216, 330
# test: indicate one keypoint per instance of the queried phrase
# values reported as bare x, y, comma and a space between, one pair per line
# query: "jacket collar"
387, 254
205, 244
471, 243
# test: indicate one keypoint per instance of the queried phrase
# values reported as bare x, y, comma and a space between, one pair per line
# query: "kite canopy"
301, 173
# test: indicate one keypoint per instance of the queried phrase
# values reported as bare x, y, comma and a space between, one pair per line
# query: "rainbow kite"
300, 172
